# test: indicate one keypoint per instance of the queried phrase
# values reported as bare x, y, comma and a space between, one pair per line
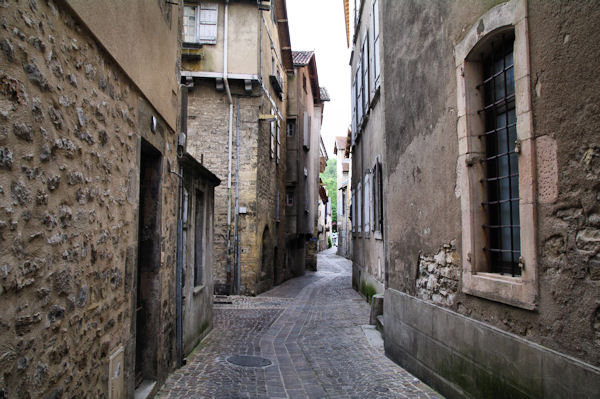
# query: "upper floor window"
307, 131
376, 68
291, 127
377, 199
199, 240
200, 23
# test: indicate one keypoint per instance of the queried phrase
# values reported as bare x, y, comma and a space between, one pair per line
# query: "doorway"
147, 292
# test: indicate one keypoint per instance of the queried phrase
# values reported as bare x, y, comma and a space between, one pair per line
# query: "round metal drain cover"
248, 361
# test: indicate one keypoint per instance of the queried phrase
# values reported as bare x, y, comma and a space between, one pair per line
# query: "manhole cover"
248, 361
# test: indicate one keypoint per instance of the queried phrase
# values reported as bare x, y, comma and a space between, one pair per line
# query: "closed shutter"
376, 61
359, 208
365, 77
371, 39
353, 101
272, 145
207, 23
359, 91
367, 203
306, 143
278, 142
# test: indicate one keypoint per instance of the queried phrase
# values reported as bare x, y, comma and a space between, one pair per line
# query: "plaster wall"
367, 247
243, 42
423, 196
151, 63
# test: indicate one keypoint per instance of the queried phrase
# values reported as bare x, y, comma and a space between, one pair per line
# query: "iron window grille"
501, 160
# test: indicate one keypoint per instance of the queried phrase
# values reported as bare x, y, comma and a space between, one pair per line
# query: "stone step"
380, 323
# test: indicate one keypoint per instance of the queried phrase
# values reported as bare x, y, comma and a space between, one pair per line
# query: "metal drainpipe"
229, 129
179, 262
237, 196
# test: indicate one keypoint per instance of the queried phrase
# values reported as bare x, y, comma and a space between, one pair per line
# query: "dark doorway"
265, 258
147, 294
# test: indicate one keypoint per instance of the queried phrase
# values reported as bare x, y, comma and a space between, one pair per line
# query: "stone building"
491, 175
89, 157
368, 147
236, 59
342, 152
305, 113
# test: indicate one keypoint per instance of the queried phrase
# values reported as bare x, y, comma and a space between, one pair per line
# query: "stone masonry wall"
438, 276
69, 183
208, 114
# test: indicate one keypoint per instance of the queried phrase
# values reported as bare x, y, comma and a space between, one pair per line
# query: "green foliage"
367, 290
329, 177
329, 244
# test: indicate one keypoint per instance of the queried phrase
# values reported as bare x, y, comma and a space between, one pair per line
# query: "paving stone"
310, 329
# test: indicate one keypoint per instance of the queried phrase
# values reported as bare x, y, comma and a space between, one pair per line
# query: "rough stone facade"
71, 127
257, 245
439, 276
423, 182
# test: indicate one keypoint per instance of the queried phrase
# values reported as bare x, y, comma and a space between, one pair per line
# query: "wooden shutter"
207, 23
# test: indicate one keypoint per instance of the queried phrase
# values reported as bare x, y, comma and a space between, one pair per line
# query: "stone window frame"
521, 291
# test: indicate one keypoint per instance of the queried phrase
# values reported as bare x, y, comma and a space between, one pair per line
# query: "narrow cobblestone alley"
310, 329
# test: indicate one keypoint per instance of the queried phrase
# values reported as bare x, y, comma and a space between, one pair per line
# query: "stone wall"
439, 275
70, 128
422, 196
259, 179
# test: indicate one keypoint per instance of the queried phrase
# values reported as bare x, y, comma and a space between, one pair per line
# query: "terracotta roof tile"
302, 58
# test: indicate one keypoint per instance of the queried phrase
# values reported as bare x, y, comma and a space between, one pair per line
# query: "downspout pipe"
230, 137
237, 199
179, 261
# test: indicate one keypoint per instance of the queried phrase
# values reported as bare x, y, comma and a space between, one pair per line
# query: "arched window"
496, 170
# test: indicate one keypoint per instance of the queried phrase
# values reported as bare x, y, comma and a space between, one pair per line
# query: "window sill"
377, 235
198, 289
191, 45
514, 291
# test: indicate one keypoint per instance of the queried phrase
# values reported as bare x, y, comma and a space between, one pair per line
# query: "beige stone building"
90, 166
236, 61
490, 183
305, 113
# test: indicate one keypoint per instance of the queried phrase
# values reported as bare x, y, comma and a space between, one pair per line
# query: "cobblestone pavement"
310, 329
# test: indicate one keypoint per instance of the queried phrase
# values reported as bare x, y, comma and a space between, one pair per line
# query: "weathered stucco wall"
242, 47
151, 63
423, 204
71, 123
368, 253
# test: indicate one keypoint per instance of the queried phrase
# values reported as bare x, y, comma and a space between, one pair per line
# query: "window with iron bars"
501, 159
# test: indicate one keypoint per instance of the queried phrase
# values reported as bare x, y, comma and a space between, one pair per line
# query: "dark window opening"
199, 239
501, 162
